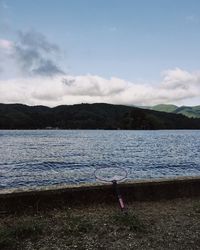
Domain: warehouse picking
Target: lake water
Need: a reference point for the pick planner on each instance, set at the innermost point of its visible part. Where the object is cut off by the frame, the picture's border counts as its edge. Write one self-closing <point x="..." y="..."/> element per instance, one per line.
<point x="47" y="157"/>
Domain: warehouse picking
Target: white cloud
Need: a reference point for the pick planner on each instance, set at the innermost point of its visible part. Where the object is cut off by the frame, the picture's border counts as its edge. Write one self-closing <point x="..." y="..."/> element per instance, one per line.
<point x="177" y="86"/>
<point x="35" y="78"/>
<point x="180" y="79"/>
<point x="6" y="44"/>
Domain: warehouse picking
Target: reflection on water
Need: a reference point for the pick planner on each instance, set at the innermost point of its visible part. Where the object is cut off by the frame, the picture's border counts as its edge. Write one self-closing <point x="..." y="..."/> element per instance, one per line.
<point x="45" y="157"/>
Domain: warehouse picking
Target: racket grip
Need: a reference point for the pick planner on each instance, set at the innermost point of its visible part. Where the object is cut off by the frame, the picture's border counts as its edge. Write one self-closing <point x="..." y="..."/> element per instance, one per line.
<point x="118" y="195"/>
<point x="121" y="203"/>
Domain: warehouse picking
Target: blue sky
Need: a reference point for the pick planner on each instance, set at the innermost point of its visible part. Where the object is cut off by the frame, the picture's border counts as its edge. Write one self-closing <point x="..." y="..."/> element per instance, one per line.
<point x="131" y="40"/>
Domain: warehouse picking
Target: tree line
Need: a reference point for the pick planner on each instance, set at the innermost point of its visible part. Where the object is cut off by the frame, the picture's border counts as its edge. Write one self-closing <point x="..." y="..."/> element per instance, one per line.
<point x="90" y="116"/>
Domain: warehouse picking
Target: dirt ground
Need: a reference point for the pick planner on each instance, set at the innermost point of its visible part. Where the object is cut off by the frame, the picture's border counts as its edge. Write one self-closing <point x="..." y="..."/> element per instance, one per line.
<point x="173" y="224"/>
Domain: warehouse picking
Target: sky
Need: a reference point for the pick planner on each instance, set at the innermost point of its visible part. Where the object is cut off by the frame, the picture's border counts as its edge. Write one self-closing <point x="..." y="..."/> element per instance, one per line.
<point x="132" y="52"/>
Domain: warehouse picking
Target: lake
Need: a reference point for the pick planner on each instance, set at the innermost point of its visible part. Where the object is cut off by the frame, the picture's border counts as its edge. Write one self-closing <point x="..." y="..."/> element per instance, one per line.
<point x="31" y="158"/>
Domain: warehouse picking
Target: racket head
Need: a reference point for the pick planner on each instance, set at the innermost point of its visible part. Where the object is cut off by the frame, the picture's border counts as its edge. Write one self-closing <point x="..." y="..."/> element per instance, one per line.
<point x="110" y="174"/>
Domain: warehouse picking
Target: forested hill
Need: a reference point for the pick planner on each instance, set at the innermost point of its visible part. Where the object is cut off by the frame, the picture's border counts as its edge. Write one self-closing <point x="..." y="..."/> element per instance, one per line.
<point x="90" y="116"/>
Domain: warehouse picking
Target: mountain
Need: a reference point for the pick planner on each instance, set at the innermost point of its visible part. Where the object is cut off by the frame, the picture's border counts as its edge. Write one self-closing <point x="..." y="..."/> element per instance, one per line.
<point x="165" y="108"/>
<point x="191" y="112"/>
<point x="90" y="116"/>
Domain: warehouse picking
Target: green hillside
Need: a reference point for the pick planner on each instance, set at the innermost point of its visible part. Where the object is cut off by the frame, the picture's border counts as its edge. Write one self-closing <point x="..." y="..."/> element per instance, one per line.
<point x="165" y="108"/>
<point x="191" y="112"/>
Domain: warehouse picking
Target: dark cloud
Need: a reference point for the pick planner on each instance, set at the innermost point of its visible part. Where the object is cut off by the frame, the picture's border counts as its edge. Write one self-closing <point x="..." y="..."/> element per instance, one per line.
<point x="47" y="68"/>
<point x="36" y="40"/>
<point x="68" y="82"/>
<point x="27" y="58"/>
<point x="35" y="55"/>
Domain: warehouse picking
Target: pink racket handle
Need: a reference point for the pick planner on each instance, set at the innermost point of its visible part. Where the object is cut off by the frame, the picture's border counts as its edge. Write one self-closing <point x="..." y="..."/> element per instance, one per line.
<point x="118" y="195"/>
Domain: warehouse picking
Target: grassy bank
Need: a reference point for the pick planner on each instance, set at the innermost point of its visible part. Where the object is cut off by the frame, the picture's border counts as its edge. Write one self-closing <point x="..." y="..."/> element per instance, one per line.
<point x="148" y="225"/>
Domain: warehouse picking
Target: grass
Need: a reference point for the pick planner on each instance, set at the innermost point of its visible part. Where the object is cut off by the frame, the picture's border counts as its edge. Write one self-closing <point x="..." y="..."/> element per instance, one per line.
<point x="81" y="230"/>
<point x="11" y="235"/>
<point x="72" y="228"/>
<point x="196" y="207"/>
<point x="158" y="225"/>
<point x="85" y="224"/>
<point x="77" y="224"/>
<point x="128" y="221"/>
<point x="7" y="239"/>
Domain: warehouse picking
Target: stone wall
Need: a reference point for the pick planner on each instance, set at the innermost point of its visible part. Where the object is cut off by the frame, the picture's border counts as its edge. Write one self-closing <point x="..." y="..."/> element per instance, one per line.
<point x="46" y="198"/>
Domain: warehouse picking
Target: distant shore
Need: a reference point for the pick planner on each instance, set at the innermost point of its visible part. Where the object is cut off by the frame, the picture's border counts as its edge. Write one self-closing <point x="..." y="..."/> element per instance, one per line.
<point x="91" y="116"/>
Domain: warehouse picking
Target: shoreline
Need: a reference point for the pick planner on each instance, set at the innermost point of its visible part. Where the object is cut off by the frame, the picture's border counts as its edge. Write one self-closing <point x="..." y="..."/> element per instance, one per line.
<point x="59" y="187"/>
<point x="51" y="197"/>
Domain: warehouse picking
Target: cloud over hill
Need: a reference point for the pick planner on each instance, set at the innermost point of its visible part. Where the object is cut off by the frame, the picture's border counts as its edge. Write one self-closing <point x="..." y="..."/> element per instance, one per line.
<point x="38" y="79"/>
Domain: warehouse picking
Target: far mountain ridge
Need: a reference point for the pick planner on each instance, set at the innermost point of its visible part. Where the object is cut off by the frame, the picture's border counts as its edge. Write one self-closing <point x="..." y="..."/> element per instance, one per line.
<point x="189" y="111"/>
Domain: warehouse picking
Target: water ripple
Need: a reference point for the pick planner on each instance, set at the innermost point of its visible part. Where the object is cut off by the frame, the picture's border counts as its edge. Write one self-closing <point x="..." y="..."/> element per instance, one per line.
<point x="42" y="157"/>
